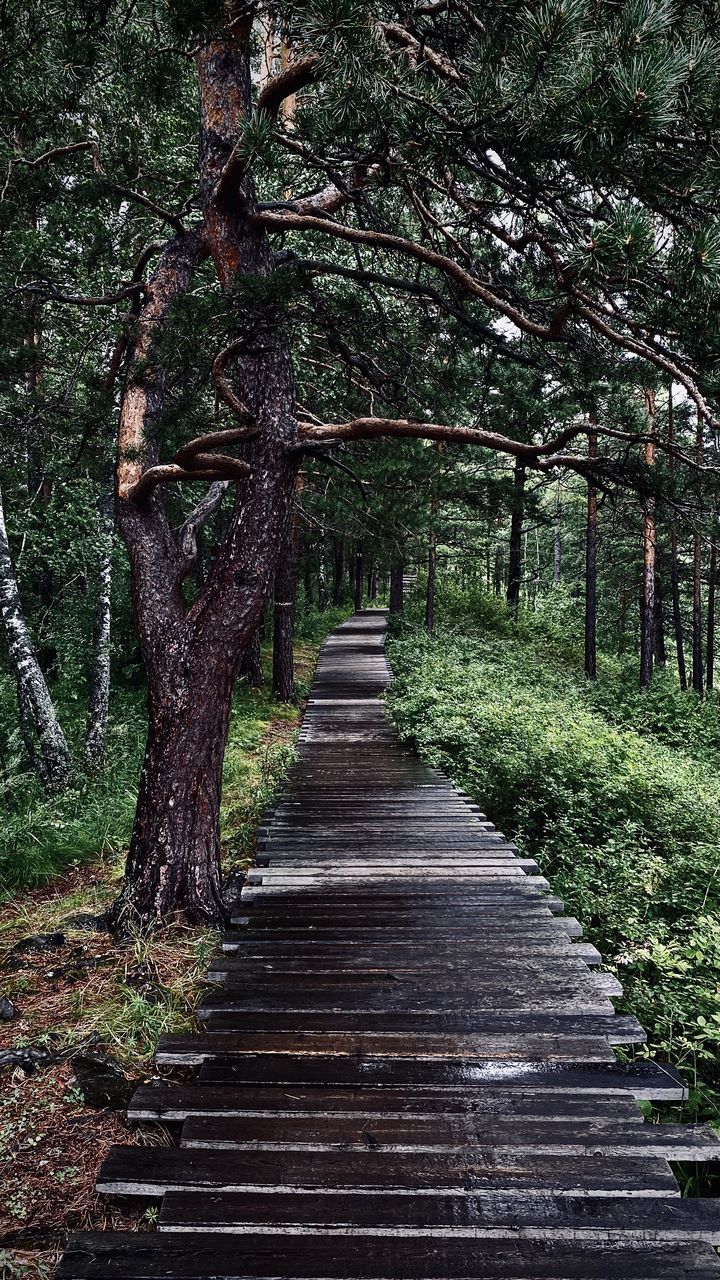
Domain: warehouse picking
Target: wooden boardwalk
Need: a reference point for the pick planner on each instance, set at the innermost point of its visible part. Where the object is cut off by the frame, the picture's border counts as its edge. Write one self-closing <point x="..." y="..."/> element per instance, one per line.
<point x="406" y="1064"/>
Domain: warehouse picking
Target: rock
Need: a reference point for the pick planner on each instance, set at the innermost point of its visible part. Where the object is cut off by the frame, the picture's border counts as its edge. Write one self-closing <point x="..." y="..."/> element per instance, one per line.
<point x="8" y="1010"/>
<point x="34" y="943"/>
<point x="102" y="1081"/>
<point x="86" y="920"/>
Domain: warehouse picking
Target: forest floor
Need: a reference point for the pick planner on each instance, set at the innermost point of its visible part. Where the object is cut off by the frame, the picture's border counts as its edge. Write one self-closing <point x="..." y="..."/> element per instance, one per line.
<point x="68" y="989"/>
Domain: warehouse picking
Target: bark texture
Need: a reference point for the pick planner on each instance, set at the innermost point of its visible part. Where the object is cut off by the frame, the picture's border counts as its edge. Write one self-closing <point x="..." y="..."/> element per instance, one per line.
<point x="99" y="682"/>
<point x="516" y="547"/>
<point x="45" y="739"/>
<point x="591" y="549"/>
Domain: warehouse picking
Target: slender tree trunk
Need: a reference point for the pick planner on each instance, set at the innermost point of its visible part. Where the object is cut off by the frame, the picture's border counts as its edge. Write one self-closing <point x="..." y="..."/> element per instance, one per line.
<point x="283" y="668"/>
<point x="322" y="594"/>
<point x="372" y="583"/>
<point x="516" y="546"/>
<point x="358" y="576"/>
<point x="697" y="648"/>
<point x="498" y="571"/>
<point x="710" y="638"/>
<point x="674" y="565"/>
<point x="557" y="543"/>
<point x="99" y="682"/>
<point x="52" y="757"/>
<point x="251" y="667"/>
<point x="396" y="587"/>
<point x="591" y="548"/>
<point x="660" y="651"/>
<point x="647" y="611"/>
<point x="338" y="570"/>
<point x="430" y="591"/>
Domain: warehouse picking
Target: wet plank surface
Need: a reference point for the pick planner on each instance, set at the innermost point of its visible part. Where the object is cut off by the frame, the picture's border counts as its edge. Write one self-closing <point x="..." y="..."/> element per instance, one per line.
<point x="404" y="1065"/>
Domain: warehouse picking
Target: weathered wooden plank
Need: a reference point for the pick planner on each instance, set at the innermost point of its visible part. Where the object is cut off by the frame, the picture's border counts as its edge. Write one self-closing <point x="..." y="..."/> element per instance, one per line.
<point x="151" y="1171"/>
<point x="168" y="1102"/>
<point x="690" y="1143"/>
<point x="186" y="1256"/>
<point x="489" y="1215"/>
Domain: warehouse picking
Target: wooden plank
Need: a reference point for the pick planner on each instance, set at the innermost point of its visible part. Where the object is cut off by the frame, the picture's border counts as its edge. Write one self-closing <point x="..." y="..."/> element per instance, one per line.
<point x="489" y="1215"/>
<point x="689" y="1143"/>
<point x="151" y="1171"/>
<point x="169" y="1103"/>
<point x="649" y="1081"/>
<point x="209" y="1256"/>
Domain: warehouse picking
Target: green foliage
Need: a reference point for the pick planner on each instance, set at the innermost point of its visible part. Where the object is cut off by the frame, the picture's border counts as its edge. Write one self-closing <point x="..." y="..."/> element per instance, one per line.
<point x="615" y="794"/>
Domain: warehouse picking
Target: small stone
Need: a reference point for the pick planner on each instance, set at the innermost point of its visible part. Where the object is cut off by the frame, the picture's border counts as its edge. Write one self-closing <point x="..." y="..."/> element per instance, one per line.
<point x="86" y="920"/>
<point x="8" y="1011"/>
<point x="102" y="1082"/>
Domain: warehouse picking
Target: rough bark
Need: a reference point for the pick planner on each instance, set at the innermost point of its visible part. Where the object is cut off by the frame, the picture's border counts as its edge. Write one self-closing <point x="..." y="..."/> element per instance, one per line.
<point x="192" y="656"/>
<point x="251" y="667"/>
<point x="283" y="664"/>
<point x="50" y="755"/>
<point x="99" y="682"/>
<point x="591" y="548"/>
<point x="516" y="523"/>
<point x="647" y="594"/>
<point x="660" y="651"/>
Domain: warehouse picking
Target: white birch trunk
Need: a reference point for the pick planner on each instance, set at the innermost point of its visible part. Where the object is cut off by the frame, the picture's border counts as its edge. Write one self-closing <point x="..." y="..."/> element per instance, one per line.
<point x="53" y="761"/>
<point x="99" y="683"/>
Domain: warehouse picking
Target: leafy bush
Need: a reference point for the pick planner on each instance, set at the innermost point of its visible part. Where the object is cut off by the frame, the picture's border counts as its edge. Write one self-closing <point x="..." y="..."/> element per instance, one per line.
<point x="627" y="826"/>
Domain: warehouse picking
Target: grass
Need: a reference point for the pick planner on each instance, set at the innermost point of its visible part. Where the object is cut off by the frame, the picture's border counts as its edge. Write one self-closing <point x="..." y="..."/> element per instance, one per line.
<point x="92" y="991"/>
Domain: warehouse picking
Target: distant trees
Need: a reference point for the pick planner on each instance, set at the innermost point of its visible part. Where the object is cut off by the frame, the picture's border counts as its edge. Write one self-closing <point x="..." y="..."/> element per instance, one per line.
<point x="215" y="210"/>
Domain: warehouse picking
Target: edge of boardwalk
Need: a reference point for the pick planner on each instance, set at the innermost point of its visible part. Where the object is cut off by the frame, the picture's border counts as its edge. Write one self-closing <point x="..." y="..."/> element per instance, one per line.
<point x="405" y="1060"/>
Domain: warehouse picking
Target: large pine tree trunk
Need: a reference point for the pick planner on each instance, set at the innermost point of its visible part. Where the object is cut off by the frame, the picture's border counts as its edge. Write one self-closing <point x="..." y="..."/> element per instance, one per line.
<point x="591" y="547"/>
<point x="647" y="594"/>
<point x="50" y="755"/>
<point x="192" y="655"/>
<point x="99" y="682"/>
<point x="516" y="546"/>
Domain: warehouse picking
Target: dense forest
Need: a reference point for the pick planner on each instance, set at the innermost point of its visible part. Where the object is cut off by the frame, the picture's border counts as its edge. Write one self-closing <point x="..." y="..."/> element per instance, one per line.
<point x="314" y="306"/>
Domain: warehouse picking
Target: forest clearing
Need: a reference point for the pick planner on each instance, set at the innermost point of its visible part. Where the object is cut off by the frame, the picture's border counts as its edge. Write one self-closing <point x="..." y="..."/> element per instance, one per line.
<point x="359" y="731"/>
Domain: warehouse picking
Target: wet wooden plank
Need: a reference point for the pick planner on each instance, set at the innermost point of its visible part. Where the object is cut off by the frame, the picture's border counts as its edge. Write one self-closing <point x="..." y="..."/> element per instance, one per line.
<point x="151" y="1171"/>
<point x="207" y="1256"/>
<point x="489" y="1215"/>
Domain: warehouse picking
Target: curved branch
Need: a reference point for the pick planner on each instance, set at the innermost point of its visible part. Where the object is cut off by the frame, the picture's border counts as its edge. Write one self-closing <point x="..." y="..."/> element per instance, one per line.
<point x="195" y="521"/>
<point x="295" y="77"/>
<point x="226" y="392"/>
<point x="372" y="428"/>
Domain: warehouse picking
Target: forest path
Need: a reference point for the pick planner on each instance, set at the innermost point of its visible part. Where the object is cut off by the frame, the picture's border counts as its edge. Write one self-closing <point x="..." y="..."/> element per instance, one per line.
<point x="405" y="1064"/>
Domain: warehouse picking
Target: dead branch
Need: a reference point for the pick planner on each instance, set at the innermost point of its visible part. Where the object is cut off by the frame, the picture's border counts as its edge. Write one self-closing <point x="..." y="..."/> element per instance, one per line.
<point x="197" y="519"/>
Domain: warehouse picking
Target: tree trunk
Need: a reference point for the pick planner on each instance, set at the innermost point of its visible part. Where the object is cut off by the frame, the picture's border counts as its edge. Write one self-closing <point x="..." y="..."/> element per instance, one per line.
<point x="647" y="597"/>
<point x="697" y="645"/>
<point x="283" y="669"/>
<point x="396" y="588"/>
<point x="516" y="546"/>
<point x="660" y="651"/>
<point x="178" y="815"/>
<point x="710" y="638"/>
<point x="358" y="575"/>
<point x="338" y="570"/>
<point x="322" y="595"/>
<point x="498" y="571"/>
<point x="52" y="758"/>
<point x="251" y="667"/>
<point x="674" y="566"/>
<point x="372" y="583"/>
<point x="99" y="682"/>
<point x="557" y="543"/>
<point x="591" y="547"/>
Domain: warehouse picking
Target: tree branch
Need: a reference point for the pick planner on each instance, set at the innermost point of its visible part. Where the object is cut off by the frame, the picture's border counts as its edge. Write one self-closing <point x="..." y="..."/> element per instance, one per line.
<point x="195" y="521"/>
<point x="295" y="77"/>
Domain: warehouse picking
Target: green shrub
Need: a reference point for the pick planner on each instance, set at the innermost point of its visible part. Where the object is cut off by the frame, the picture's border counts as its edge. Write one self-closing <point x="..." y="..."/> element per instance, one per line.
<point x="627" y="826"/>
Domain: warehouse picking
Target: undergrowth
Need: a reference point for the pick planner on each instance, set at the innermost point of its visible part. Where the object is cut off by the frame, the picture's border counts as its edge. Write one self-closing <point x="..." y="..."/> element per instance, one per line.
<point x="616" y="793"/>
